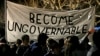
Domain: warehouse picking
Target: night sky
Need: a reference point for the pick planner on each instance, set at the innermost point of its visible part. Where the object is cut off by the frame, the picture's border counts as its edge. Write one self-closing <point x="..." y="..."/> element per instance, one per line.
<point x="2" y="9"/>
<point x="1" y="4"/>
<point x="2" y="23"/>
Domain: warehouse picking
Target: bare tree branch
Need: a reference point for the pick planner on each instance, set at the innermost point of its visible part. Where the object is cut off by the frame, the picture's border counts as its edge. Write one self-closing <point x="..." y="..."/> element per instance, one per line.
<point x="98" y="2"/>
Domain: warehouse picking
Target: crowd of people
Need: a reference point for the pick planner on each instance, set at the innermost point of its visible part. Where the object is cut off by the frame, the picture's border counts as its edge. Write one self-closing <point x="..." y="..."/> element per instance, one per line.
<point x="45" y="46"/>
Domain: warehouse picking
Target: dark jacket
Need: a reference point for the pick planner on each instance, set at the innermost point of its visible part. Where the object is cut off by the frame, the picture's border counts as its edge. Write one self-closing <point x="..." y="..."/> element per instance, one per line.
<point x="35" y="50"/>
<point x="21" y="49"/>
<point x="4" y="49"/>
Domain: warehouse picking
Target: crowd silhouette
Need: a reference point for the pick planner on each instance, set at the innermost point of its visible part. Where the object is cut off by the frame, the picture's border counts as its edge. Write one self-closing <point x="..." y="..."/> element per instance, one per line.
<point x="45" y="46"/>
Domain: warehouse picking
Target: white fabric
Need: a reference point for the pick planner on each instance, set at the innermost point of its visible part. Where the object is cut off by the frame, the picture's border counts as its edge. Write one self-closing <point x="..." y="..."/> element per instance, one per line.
<point x="19" y="23"/>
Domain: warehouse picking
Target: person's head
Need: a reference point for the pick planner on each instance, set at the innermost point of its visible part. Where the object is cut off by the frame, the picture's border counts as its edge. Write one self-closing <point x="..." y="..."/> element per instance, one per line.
<point x="61" y="43"/>
<point x="96" y="39"/>
<point x="72" y="42"/>
<point x="53" y="45"/>
<point x="67" y="44"/>
<point x="19" y="42"/>
<point x="42" y="37"/>
<point x="25" y="39"/>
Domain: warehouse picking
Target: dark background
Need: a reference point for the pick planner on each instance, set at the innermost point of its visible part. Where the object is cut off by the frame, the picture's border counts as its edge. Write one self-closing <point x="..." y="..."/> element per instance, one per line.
<point x="39" y="3"/>
<point x="2" y="18"/>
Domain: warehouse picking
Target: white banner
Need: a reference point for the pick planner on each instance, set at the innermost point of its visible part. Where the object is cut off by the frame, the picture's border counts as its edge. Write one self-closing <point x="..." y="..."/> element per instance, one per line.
<point x="57" y="24"/>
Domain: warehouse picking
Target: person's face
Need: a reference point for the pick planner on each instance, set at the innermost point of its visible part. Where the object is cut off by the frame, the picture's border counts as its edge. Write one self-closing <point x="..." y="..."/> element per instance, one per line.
<point x="67" y="43"/>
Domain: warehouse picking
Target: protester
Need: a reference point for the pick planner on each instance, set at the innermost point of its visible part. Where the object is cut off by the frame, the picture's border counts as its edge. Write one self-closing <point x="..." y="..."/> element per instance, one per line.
<point x="23" y="47"/>
<point x="53" y="48"/>
<point x="15" y="46"/>
<point x="61" y="43"/>
<point x="73" y="47"/>
<point x="4" y="48"/>
<point x="38" y="48"/>
<point x="96" y="41"/>
<point x="84" y="45"/>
